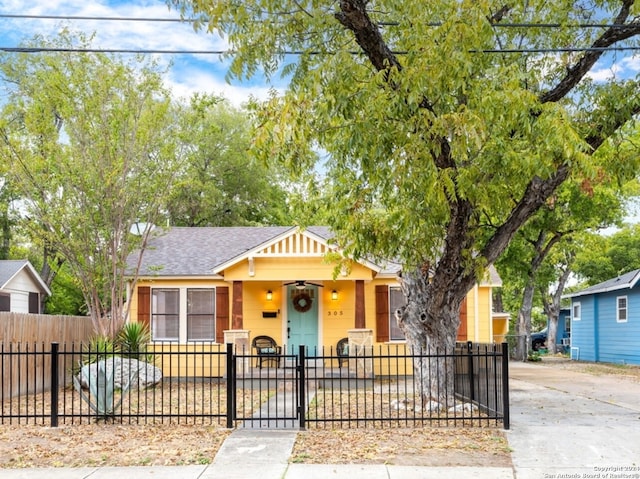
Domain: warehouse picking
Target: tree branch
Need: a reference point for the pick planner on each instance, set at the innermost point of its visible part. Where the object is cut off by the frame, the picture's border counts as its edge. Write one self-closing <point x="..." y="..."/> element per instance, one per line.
<point x="611" y="36"/>
<point x="535" y="195"/>
<point x="354" y="17"/>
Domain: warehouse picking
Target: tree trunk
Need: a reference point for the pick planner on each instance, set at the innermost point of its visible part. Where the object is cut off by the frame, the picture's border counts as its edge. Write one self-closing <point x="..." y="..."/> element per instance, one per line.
<point x="552" y="333"/>
<point x="552" y="305"/>
<point x="430" y="336"/>
<point x="523" y="326"/>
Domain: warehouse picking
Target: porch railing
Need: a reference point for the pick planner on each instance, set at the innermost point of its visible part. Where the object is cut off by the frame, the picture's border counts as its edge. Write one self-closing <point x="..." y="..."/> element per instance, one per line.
<point x="213" y="384"/>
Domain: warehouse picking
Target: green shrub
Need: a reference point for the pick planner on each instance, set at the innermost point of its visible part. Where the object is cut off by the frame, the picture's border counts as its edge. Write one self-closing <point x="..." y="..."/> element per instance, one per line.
<point x="133" y="340"/>
<point x="98" y="348"/>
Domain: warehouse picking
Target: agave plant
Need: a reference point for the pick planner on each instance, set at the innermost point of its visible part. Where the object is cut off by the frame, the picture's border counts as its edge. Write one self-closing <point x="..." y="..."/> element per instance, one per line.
<point x="101" y="397"/>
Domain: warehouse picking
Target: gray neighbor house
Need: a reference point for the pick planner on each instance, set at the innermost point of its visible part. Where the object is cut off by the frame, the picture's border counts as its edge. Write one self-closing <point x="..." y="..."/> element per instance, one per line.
<point x="21" y="287"/>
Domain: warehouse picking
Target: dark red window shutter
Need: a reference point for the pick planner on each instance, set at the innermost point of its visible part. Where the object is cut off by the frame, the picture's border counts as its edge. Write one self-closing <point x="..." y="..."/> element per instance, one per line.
<point x="144" y="305"/>
<point x="382" y="313"/>
<point x="462" y="330"/>
<point x="222" y="312"/>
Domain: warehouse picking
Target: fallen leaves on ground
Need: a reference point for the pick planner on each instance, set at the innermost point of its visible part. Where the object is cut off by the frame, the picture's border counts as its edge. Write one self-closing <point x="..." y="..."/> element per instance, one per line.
<point x="419" y="447"/>
<point x="104" y="444"/>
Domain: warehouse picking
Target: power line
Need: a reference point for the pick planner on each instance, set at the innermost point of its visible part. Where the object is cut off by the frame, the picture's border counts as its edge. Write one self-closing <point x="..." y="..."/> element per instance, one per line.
<point x="113" y="50"/>
<point x="191" y="20"/>
<point x="300" y="52"/>
<point x="75" y="17"/>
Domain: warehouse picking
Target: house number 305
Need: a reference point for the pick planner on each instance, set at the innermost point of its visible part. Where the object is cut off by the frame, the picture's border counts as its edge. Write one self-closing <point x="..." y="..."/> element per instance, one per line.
<point x="335" y="312"/>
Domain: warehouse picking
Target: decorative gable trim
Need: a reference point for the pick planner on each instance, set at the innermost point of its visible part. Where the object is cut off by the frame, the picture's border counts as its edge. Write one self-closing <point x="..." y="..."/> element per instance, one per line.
<point x="294" y="243"/>
<point x="300" y="243"/>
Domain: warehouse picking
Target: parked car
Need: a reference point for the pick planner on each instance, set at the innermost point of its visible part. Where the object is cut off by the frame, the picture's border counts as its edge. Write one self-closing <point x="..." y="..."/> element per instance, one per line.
<point x="539" y="339"/>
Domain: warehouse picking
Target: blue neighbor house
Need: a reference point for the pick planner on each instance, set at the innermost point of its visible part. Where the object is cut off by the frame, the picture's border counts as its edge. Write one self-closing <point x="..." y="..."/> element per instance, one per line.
<point x="605" y="321"/>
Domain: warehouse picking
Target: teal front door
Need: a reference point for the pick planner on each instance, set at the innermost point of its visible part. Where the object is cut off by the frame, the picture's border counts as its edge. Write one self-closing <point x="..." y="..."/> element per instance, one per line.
<point x="302" y="318"/>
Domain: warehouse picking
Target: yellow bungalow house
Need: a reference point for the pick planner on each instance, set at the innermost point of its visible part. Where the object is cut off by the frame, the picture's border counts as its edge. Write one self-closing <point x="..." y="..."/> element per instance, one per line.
<point x="231" y="284"/>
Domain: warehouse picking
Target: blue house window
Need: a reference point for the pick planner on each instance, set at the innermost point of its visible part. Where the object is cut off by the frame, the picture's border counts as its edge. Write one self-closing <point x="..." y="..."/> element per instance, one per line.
<point x="621" y="315"/>
<point x="576" y="312"/>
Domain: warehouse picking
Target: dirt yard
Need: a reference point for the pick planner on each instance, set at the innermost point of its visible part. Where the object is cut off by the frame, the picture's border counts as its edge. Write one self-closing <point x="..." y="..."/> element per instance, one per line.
<point x="128" y="445"/>
<point x="104" y="444"/>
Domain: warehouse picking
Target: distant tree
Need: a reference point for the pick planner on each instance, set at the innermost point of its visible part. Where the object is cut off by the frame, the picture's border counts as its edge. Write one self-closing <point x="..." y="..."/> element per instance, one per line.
<point x="530" y="259"/>
<point x="89" y="140"/>
<point x="7" y="216"/>
<point x="605" y="257"/>
<point x="557" y="276"/>
<point x="221" y="183"/>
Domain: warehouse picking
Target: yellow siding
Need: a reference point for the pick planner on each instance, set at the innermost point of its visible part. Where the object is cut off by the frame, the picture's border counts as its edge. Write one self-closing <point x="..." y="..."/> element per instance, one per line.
<point x="500" y="327"/>
<point x="484" y="314"/>
<point x="292" y="268"/>
<point x="336" y="317"/>
<point x="190" y="360"/>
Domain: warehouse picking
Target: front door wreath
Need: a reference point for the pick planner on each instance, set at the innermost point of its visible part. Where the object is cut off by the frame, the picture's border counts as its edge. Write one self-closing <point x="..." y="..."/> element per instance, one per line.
<point x="302" y="302"/>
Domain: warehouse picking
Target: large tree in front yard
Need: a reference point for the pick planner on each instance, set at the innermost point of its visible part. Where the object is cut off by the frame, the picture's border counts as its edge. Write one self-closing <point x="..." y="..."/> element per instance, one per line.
<point x="448" y="124"/>
<point x="88" y="138"/>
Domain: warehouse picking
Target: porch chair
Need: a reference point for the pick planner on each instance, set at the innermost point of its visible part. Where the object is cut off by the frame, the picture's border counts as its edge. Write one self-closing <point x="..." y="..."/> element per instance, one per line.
<point x="266" y="350"/>
<point x="342" y="350"/>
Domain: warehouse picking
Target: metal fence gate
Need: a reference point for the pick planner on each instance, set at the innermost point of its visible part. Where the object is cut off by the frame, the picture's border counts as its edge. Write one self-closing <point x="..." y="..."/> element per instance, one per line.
<point x="276" y="383"/>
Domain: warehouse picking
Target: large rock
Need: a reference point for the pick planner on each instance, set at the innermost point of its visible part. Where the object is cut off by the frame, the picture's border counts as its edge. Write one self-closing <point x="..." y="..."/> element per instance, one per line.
<point x="123" y="370"/>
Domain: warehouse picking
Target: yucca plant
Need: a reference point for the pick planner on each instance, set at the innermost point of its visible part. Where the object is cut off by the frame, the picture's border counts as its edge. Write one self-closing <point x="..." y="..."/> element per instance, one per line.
<point x="133" y="339"/>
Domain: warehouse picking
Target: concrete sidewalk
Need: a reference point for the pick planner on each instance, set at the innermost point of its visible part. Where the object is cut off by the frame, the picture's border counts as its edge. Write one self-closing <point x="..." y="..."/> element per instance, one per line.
<point x="563" y="424"/>
<point x="570" y="424"/>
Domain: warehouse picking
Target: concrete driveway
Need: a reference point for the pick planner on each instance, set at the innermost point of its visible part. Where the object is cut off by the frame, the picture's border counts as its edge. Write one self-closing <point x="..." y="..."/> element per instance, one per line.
<point x="566" y="424"/>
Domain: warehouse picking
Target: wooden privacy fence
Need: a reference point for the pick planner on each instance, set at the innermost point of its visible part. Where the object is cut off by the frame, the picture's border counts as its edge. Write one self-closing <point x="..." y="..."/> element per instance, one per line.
<point x="22" y="330"/>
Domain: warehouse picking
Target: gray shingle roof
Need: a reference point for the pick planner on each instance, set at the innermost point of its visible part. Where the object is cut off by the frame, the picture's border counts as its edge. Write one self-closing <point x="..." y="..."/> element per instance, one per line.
<point x="624" y="281"/>
<point x="197" y="251"/>
<point x="10" y="267"/>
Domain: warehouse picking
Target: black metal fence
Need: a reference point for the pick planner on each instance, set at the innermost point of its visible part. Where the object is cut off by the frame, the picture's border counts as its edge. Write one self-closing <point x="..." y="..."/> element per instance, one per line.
<point x="213" y="384"/>
<point x="387" y="386"/>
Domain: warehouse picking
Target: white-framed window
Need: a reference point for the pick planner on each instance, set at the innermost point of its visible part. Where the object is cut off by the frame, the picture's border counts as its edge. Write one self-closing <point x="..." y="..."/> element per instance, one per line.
<point x="183" y="314"/>
<point x="621" y="309"/>
<point x="396" y="301"/>
<point x="576" y="311"/>
<point x="201" y="314"/>
<point x="165" y="314"/>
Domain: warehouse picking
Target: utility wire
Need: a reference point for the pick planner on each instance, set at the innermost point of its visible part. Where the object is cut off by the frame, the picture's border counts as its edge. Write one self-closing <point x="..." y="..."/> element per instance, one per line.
<point x="191" y="20"/>
<point x="224" y="52"/>
<point x="74" y="17"/>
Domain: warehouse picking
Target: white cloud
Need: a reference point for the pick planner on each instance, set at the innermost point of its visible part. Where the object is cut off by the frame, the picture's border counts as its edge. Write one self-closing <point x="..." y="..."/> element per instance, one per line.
<point x="632" y="63"/>
<point x="190" y="73"/>
<point x="184" y="85"/>
<point x="606" y="74"/>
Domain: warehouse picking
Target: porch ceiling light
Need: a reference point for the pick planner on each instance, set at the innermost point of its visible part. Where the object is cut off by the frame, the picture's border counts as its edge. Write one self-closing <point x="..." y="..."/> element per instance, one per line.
<point x="269" y="295"/>
<point x="334" y="295"/>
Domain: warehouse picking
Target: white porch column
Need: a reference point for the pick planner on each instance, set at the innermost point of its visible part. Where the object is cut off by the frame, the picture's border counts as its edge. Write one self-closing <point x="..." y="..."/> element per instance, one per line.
<point x="360" y="345"/>
<point x="240" y="340"/>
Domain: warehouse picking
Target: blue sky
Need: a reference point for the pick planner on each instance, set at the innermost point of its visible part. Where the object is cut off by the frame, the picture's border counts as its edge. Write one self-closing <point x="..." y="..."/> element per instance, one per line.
<point x="189" y="73"/>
